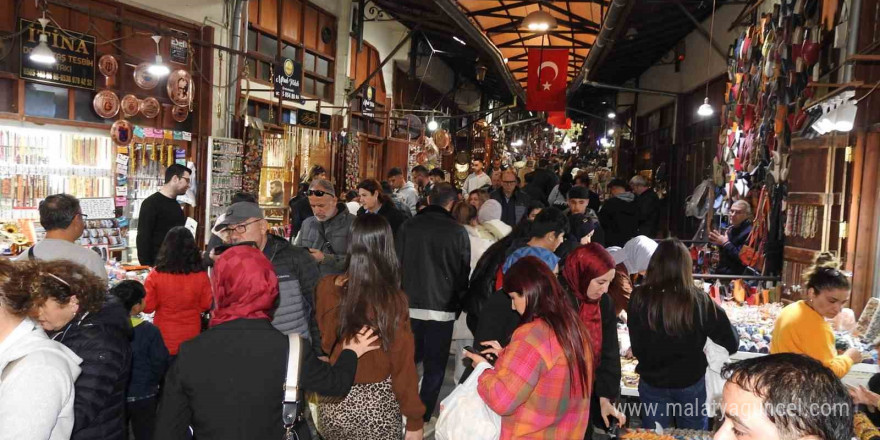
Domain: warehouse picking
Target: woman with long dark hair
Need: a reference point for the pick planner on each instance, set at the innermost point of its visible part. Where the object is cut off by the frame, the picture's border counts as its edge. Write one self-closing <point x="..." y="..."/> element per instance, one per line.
<point x="178" y="289"/>
<point x="587" y="272"/>
<point x="368" y="294"/>
<point x="375" y="201"/>
<point x="542" y="380"/>
<point x="669" y="322"/>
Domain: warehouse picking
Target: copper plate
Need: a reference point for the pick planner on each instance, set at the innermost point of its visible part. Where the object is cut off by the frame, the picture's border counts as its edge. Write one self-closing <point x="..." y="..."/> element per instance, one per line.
<point x="180" y="87"/>
<point x="130" y="105"/>
<point x="106" y="104"/>
<point x="143" y="78"/>
<point x="441" y="138"/>
<point x="150" y="107"/>
<point x="108" y="66"/>
<point x="180" y="112"/>
<point x="122" y="132"/>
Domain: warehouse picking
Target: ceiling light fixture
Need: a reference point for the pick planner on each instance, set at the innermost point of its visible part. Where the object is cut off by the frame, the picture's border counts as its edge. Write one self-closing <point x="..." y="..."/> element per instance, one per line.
<point x="42" y="54"/>
<point x="158" y="68"/>
<point x="706" y="109"/>
<point x="539" y="21"/>
<point x="612" y="115"/>
<point x="846" y="115"/>
<point x="610" y="132"/>
<point x="459" y="40"/>
<point x="433" y="125"/>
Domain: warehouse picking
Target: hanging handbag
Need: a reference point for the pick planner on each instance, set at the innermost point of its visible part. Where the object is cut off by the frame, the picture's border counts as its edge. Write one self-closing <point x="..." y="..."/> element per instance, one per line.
<point x="291" y="405"/>
<point x="464" y="414"/>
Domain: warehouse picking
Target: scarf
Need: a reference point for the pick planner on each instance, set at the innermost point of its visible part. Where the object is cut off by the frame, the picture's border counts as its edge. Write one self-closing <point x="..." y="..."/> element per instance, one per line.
<point x="635" y="254"/>
<point x="581" y="267"/>
<point x="244" y="284"/>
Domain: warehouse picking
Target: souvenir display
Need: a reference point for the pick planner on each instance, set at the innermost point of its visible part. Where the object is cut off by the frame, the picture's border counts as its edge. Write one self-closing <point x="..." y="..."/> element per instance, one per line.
<point x="102" y="232"/>
<point x="226" y="172"/>
<point x="108" y="66"/>
<point x="106" y="104"/>
<point x="180" y="87"/>
<point x="150" y="107"/>
<point x="352" y="162"/>
<point x="130" y="106"/>
<point x="122" y="132"/>
<point x="179" y="113"/>
<point x="143" y="78"/>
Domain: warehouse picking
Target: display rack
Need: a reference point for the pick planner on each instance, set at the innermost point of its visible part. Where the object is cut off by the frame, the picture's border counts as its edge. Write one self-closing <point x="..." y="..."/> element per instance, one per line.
<point x="225" y="176"/>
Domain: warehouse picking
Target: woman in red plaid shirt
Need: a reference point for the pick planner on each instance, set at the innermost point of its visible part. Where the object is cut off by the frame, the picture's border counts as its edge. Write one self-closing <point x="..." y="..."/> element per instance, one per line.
<point x="541" y="383"/>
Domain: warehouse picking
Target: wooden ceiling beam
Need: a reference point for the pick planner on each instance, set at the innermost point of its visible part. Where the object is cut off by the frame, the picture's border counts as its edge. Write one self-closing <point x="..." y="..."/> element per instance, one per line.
<point x="514" y="44"/>
<point x="500" y="8"/>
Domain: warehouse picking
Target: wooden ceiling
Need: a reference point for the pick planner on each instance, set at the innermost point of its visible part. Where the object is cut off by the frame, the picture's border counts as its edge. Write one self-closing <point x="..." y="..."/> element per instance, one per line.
<point x="578" y="24"/>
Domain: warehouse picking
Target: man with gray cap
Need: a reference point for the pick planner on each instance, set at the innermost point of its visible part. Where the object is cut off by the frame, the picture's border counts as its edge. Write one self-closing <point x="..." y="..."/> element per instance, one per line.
<point x="296" y="270"/>
<point x="328" y="232"/>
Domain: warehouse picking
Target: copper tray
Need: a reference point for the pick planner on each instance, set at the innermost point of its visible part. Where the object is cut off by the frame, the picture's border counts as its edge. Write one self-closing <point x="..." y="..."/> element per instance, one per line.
<point x="106" y="104"/>
<point x="150" y="107"/>
<point x="180" y="87"/>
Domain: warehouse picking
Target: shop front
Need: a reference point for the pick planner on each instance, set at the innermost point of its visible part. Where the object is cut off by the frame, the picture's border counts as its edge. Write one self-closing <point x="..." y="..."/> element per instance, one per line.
<point x="123" y="94"/>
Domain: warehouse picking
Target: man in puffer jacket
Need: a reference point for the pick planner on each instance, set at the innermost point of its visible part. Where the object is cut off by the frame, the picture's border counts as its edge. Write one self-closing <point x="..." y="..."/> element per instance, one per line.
<point x="327" y="233"/>
<point x="296" y="270"/>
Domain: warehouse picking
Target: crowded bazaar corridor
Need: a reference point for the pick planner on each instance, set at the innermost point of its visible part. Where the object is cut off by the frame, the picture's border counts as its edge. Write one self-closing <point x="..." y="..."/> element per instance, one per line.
<point x="439" y="219"/>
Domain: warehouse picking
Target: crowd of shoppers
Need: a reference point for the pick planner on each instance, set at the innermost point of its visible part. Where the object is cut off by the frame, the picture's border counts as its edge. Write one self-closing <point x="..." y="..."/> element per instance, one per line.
<point x="512" y="266"/>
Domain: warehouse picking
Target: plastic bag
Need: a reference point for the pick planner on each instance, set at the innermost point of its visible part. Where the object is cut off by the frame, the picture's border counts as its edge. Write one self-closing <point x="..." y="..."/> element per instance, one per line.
<point x="464" y="414"/>
<point x="716" y="357"/>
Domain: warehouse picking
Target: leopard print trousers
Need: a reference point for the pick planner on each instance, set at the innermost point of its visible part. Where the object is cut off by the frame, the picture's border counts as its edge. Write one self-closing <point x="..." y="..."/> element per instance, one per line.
<point x="370" y="411"/>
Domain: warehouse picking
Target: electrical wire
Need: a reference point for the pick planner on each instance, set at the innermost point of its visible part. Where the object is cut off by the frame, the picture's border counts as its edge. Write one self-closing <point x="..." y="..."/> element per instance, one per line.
<point x="869" y="92"/>
<point x="709" y="49"/>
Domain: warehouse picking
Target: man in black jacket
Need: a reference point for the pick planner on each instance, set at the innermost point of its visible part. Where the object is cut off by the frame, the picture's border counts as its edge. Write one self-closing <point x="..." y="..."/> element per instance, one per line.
<point x="300" y="209"/>
<point x="434" y="252"/>
<point x="296" y="270"/>
<point x="648" y="204"/>
<point x="514" y="202"/>
<point x="619" y="215"/>
<point x="732" y="242"/>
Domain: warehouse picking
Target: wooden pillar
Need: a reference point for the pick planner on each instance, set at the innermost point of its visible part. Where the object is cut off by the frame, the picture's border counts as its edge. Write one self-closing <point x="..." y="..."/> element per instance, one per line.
<point x="863" y="264"/>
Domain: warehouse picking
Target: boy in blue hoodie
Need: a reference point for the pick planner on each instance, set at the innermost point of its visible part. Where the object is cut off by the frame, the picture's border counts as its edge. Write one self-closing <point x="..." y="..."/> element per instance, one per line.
<point x="149" y="361"/>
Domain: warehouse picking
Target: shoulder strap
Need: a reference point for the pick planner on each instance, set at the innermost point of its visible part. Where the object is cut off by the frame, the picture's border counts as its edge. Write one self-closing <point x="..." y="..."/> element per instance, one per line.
<point x="290" y="406"/>
<point x="31" y="255"/>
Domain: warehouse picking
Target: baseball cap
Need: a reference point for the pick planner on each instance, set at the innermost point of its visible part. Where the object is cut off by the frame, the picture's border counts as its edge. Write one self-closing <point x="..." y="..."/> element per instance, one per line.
<point x="238" y="213"/>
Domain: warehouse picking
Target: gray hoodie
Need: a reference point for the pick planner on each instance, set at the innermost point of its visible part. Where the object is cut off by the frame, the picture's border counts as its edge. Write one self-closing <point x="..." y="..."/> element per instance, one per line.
<point x="36" y="385"/>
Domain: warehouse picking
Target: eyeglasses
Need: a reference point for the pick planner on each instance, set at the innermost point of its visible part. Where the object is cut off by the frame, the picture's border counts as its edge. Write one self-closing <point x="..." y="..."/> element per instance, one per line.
<point x="318" y="193"/>
<point x="242" y="228"/>
<point x="84" y="216"/>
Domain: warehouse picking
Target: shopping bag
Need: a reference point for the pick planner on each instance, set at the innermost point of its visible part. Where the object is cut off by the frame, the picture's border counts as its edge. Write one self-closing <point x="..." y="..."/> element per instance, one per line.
<point x="465" y="416"/>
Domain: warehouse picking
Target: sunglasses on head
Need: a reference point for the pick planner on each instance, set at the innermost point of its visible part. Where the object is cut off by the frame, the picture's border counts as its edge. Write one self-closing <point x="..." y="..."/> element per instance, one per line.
<point x="318" y="193"/>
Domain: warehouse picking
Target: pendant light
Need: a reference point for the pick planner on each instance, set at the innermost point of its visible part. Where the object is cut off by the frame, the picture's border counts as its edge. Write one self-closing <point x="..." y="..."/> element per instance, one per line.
<point x="846" y="113"/>
<point x="432" y="125"/>
<point x="539" y="21"/>
<point x="706" y="110"/>
<point x="158" y="68"/>
<point x="42" y="54"/>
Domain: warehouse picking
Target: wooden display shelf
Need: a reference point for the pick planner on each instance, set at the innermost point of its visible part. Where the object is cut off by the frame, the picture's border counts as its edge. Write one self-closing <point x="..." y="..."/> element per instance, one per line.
<point x="800" y="255"/>
<point x="814" y="198"/>
<point x="842" y="88"/>
<point x="863" y="58"/>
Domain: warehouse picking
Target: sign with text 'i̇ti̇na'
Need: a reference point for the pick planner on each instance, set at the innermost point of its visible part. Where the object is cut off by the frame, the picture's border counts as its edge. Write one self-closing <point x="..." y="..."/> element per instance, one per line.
<point x="75" y="57"/>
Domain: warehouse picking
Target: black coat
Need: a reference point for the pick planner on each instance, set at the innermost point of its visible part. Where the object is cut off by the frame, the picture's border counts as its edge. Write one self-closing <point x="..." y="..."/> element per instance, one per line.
<point x="620" y="221"/>
<point x="149" y="360"/>
<point x="435" y="254"/>
<point x="483" y="279"/>
<point x="227" y="383"/>
<point x="394" y="216"/>
<point x="300" y="210"/>
<point x="648" y="204"/>
<point x="514" y="210"/>
<point x="102" y="340"/>
<point x="544" y="181"/>
<point x="729" y="262"/>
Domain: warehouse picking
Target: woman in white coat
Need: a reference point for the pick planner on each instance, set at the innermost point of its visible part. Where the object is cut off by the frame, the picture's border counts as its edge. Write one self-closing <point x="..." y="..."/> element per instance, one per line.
<point x="36" y="373"/>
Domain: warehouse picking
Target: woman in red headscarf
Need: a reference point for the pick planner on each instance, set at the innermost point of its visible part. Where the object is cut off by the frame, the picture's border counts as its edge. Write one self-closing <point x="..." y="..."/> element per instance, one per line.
<point x="226" y="382"/>
<point x="587" y="272"/>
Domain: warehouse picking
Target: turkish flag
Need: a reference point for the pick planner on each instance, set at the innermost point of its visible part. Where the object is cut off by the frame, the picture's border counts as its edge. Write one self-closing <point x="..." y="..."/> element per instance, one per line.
<point x="547" y="78"/>
<point x="559" y="120"/>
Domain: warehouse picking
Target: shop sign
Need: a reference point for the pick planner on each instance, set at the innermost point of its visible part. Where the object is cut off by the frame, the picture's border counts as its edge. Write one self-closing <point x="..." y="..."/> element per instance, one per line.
<point x="325" y="121"/>
<point x="75" y="57"/>
<point x="307" y="118"/>
<point x="179" y="50"/>
<point x="287" y="80"/>
<point x="368" y="102"/>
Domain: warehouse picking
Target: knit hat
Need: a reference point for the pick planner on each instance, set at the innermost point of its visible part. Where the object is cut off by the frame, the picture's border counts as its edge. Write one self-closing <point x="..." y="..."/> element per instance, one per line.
<point x="491" y="210"/>
<point x="581" y="226"/>
<point x="549" y="258"/>
<point x="579" y="192"/>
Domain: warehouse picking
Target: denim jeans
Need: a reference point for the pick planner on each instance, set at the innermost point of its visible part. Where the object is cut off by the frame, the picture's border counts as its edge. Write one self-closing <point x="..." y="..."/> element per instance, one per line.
<point x="685" y="406"/>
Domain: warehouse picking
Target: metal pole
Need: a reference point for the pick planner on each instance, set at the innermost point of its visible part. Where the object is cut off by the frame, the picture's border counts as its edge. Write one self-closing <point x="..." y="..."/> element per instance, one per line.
<point x="629" y="89"/>
<point x="702" y="30"/>
<point x="852" y="38"/>
<point x="709" y="276"/>
<point x="234" y="43"/>
<point x="354" y="91"/>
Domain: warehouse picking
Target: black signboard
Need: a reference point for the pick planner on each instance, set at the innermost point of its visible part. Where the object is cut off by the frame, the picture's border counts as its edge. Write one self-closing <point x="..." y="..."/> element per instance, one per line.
<point x="179" y="50"/>
<point x="325" y="121"/>
<point x="368" y="102"/>
<point x="75" y="57"/>
<point x="308" y="118"/>
<point x="287" y="80"/>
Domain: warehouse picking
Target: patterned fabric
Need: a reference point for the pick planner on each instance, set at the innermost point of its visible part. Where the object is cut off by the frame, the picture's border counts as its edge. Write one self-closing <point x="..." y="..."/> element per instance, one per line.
<point x="245" y="286"/>
<point x="369" y="412"/>
<point x="531" y="388"/>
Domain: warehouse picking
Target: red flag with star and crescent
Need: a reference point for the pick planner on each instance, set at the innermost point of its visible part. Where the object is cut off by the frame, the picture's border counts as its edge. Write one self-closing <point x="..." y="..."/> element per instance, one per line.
<point x="548" y="75"/>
